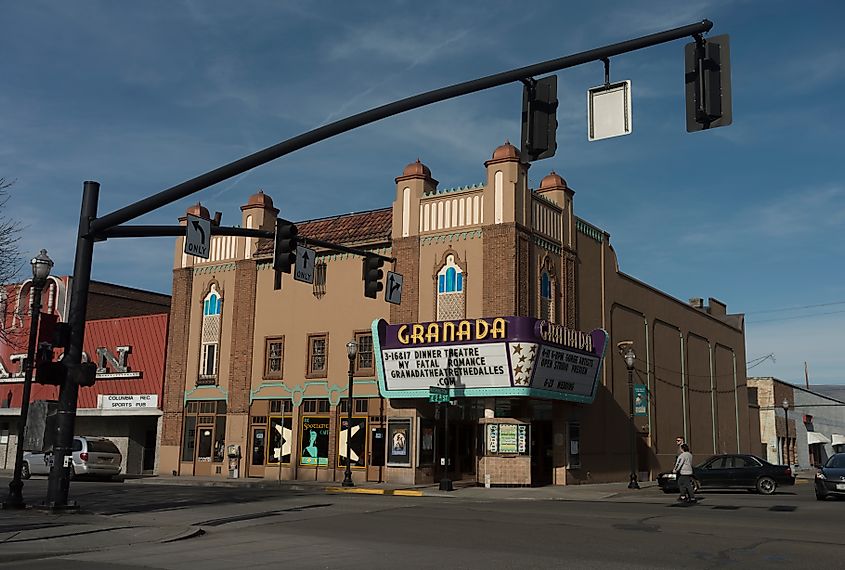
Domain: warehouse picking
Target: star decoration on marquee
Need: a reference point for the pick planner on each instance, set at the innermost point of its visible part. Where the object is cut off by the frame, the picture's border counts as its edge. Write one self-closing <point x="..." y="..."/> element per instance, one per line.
<point x="523" y="356"/>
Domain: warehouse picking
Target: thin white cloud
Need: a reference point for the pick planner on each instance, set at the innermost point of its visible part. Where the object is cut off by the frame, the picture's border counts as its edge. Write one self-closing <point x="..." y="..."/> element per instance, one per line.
<point x="797" y="212"/>
<point x="814" y="340"/>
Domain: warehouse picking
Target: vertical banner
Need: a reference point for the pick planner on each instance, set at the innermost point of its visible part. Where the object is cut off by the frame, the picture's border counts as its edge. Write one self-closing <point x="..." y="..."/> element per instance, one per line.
<point x="640" y="400"/>
<point x="315" y="441"/>
<point x="399" y="442"/>
<point x="355" y="440"/>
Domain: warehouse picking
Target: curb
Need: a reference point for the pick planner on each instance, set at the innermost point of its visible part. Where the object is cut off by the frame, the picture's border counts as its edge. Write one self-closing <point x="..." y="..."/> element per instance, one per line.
<point x="370" y="491"/>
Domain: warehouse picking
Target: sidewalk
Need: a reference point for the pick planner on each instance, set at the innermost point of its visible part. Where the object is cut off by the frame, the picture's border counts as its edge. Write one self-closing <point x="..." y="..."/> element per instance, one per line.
<point x="465" y="490"/>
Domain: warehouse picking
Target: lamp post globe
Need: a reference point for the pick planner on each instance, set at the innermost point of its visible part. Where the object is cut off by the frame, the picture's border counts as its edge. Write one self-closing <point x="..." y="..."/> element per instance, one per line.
<point x="351" y="352"/>
<point x="630" y="359"/>
<point x="41" y="265"/>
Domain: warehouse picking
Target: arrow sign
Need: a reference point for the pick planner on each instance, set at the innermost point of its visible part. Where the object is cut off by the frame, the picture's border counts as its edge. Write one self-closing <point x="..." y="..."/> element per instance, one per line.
<point x="305" y="257"/>
<point x="393" y="291"/>
<point x="198" y="237"/>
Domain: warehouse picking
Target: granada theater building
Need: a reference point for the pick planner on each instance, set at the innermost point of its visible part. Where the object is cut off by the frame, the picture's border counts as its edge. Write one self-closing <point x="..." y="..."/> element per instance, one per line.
<point x="512" y="308"/>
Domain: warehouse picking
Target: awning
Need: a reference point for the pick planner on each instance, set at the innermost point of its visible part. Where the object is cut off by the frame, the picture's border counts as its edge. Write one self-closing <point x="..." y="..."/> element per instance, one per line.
<point x="814" y="437"/>
<point x="838" y="439"/>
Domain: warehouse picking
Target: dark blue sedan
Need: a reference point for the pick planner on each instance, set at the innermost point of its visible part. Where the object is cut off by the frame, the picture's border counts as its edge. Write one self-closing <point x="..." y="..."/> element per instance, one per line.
<point x="733" y="471"/>
<point x="830" y="480"/>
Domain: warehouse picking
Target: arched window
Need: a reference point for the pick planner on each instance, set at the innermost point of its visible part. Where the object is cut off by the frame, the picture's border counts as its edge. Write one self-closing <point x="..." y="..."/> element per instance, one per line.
<point x="212" y="308"/>
<point x="450" y="291"/>
<point x="547" y="294"/>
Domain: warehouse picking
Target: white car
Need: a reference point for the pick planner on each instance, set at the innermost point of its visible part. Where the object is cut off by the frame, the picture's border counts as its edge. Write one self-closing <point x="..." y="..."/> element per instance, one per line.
<point x="91" y="456"/>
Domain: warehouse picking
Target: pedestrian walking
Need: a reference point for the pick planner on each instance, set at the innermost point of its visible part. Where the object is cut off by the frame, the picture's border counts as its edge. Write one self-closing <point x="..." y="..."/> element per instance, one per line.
<point x="679" y="441"/>
<point x="683" y="471"/>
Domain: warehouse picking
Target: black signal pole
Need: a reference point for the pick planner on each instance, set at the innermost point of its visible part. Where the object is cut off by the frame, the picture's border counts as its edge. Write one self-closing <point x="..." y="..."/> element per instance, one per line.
<point x="59" y="483"/>
<point x="93" y="229"/>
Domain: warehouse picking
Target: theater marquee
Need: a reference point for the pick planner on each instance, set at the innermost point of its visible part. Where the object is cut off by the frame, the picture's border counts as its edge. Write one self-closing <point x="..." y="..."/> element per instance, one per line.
<point x="501" y="356"/>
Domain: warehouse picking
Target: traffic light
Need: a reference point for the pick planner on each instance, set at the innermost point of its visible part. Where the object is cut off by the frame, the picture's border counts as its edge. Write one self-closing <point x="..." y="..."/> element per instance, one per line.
<point x="84" y="375"/>
<point x="707" y="67"/>
<point x="373" y="276"/>
<point x="539" y="118"/>
<point x="50" y="373"/>
<point x="284" y="246"/>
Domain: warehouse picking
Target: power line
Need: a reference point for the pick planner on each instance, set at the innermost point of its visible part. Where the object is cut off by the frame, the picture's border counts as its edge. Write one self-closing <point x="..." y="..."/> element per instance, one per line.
<point x="796" y="308"/>
<point x="795" y="317"/>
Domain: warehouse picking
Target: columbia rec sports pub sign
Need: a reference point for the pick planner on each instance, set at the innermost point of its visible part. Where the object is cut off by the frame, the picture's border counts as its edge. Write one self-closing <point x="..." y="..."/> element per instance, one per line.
<point x="500" y="356"/>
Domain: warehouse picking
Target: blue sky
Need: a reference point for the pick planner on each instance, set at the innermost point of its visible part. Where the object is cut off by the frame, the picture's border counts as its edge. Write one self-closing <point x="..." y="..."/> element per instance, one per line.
<point x="141" y="96"/>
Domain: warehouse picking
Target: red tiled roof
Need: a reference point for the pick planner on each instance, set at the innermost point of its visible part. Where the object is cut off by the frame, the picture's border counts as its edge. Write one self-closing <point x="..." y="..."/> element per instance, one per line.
<point x="347" y="229"/>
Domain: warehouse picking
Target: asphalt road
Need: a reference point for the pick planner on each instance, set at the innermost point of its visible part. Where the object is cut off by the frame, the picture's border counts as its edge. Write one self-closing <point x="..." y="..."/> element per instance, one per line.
<point x="272" y="528"/>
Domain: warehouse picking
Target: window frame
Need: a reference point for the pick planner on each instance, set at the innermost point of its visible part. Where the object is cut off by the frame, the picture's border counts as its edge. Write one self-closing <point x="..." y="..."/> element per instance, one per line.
<point x="268" y="374"/>
<point x="309" y="371"/>
<point x="357" y="369"/>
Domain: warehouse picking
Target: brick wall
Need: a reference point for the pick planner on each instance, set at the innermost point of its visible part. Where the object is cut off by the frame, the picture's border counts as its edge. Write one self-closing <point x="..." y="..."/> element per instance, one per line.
<point x="407" y="254"/>
<point x="107" y="301"/>
<point x="243" y="324"/>
<point x="500" y="268"/>
<point x="505" y="470"/>
<point x="177" y="356"/>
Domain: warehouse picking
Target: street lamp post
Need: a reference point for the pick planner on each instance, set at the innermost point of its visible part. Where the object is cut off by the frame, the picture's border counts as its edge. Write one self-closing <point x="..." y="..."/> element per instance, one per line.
<point x="630" y="357"/>
<point x="41" y="265"/>
<point x="786" y="454"/>
<point x="351" y="352"/>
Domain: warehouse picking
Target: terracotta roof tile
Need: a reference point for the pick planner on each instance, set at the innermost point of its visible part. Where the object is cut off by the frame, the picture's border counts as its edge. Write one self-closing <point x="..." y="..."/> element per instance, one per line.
<point x="346" y="229"/>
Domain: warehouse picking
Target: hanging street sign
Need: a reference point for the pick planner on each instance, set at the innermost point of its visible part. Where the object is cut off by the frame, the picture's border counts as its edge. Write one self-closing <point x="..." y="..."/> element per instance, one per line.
<point x="609" y="111"/>
<point x="438" y="395"/>
<point x="393" y="291"/>
<point x="198" y="236"/>
<point x="305" y="257"/>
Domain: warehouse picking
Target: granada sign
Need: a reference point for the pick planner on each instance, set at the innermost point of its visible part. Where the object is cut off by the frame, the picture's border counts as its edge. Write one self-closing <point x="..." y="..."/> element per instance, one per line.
<point x="498" y="356"/>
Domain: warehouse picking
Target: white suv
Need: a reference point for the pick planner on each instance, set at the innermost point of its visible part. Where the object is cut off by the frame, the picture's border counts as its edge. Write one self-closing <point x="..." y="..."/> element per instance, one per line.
<point x="91" y="456"/>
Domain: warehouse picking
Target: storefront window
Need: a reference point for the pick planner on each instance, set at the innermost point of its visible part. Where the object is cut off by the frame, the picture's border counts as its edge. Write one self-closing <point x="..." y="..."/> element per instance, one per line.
<point x="204" y="434"/>
<point x="281" y="438"/>
<point x="189" y="438"/>
<point x="314" y="450"/>
<point x="399" y="442"/>
<point x="354" y="440"/>
<point x="426" y="442"/>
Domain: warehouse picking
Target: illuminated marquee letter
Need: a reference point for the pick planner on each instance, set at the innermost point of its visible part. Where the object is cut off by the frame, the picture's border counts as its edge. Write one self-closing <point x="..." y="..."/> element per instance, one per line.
<point x="482" y="329"/>
<point x="500" y="328"/>
<point x="417" y="334"/>
<point x="464" y="331"/>
<point x="448" y="332"/>
<point x="433" y="334"/>
<point x="402" y="334"/>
